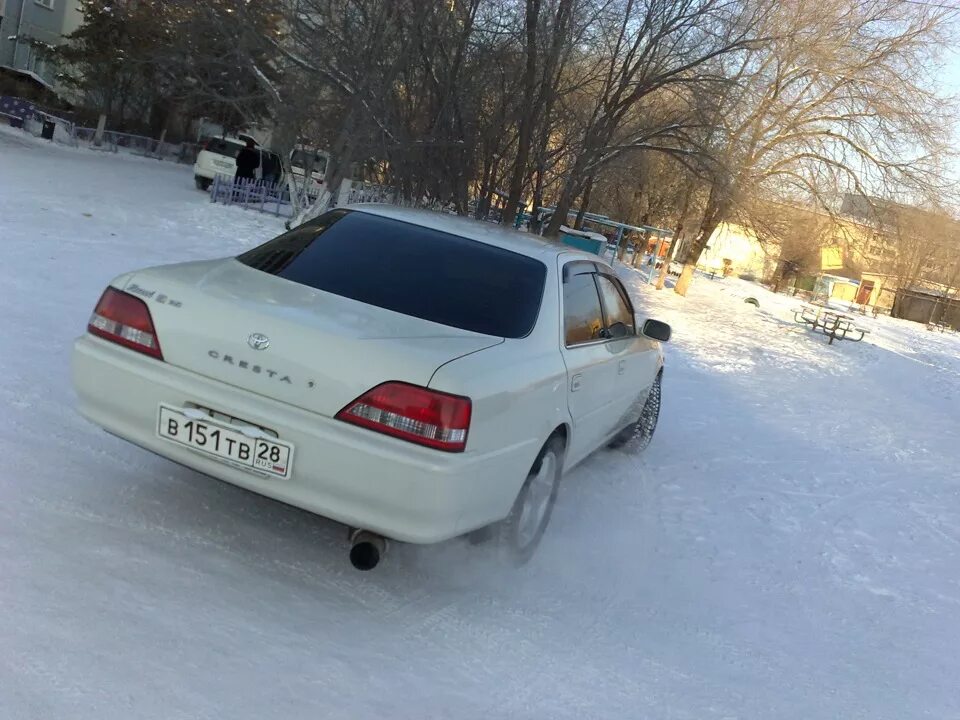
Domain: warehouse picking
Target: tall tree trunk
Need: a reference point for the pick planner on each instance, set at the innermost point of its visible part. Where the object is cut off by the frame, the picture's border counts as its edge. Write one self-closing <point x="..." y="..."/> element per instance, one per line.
<point x="527" y="117"/>
<point x="548" y="91"/>
<point x="584" y="204"/>
<point x="461" y="193"/>
<point x="486" y="188"/>
<point x="665" y="266"/>
<point x="537" y="224"/>
<point x="338" y="168"/>
<point x="101" y="128"/>
<point x="718" y="207"/>
<point x="569" y="192"/>
<point x="677" y="233"/>
<point x="692" y="253"/>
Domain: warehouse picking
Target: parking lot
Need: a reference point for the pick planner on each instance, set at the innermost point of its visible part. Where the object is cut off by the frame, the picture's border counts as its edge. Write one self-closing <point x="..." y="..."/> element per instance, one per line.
<point x="786" y="548"/>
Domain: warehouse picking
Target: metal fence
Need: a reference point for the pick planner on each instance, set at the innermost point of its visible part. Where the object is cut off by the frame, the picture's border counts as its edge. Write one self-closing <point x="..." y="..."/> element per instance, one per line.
<point x="53" y="125"/>
<point x="273" y="198"/>
<point x="141" y="145"/>
<point x="67" y="133"/>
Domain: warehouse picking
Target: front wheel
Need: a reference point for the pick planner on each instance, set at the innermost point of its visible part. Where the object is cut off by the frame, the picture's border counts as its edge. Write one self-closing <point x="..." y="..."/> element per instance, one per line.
<point x="637" y="436"/>
<point x="519" y="534"/>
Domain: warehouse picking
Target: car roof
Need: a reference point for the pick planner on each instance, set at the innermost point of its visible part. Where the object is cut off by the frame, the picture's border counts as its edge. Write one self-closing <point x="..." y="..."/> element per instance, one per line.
<point x="231" y="140"/>
<point x="472" y="229"/>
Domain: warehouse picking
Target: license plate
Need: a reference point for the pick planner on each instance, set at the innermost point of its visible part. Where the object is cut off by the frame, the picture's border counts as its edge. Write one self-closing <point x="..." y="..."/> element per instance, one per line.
<point x="221" y="163"/>
<point x="262" y="455"/>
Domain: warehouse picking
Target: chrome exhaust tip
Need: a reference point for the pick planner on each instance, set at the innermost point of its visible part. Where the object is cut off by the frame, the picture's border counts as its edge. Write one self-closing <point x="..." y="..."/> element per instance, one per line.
<point x="366" y="549"/>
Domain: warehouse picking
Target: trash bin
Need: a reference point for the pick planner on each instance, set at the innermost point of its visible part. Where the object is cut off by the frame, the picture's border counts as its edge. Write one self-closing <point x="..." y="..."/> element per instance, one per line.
<point x="48" y="127"/>
<point x="590" y="242"/>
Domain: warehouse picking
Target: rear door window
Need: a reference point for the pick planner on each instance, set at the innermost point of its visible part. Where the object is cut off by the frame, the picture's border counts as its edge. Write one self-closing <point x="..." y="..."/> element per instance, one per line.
<point x="222" y="146"/>
<point x="410" y="269"/>
<point x="582" y="314"/>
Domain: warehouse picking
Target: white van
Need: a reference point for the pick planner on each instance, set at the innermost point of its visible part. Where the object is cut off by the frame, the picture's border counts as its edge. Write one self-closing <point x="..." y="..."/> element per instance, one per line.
<point x="303" y="160"/>
<point x="219" y="157"/>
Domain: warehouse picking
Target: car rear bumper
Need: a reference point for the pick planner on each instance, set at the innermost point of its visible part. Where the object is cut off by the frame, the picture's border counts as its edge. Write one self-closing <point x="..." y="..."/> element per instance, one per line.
<point x="209" y="172"/>
<point x="349" y="474"/>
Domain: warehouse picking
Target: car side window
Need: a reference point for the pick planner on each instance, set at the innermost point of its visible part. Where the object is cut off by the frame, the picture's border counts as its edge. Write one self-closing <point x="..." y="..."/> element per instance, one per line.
<point x="616" y="307"/>
<point x="582" y="314"/>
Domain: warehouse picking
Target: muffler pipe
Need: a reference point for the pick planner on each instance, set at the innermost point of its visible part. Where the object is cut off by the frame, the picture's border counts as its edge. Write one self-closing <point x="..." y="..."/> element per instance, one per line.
<point x="366" y="549"/>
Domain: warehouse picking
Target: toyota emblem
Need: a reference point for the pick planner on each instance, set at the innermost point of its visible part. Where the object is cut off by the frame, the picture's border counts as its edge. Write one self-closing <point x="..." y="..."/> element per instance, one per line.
<point x="258" y="341"/>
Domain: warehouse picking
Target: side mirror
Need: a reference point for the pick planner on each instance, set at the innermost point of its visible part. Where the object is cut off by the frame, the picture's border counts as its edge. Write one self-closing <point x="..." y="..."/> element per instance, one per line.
<point x="656" y="330"/>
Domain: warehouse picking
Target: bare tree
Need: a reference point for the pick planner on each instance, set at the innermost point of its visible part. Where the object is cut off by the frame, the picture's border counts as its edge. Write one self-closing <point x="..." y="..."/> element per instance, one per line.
<point x="548" y="40"/>
<point x="656" y="47"/>
<point x="824" y="106"/>
<point x="922" y="244"/>
<point x="414" y="83"/>
<point x="654" y="111"/>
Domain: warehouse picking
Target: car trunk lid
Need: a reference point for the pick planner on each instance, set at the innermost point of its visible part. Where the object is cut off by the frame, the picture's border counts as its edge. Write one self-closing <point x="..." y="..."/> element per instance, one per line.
<point x="287" y="341"/>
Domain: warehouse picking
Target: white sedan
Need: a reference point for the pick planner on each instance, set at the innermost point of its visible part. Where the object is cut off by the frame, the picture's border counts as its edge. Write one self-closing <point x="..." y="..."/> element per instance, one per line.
<point x="413" y="375"/>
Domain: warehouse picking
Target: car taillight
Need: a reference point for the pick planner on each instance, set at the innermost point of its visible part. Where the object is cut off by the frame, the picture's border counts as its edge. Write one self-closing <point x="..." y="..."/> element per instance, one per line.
<point x="125" y="320"/>
<point x="413" y="413"/>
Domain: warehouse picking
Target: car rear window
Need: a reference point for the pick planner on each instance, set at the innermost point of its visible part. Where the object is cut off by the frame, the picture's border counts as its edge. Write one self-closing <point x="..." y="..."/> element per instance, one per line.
<point x="222" y="146"/>
<point x="409" y="269"/>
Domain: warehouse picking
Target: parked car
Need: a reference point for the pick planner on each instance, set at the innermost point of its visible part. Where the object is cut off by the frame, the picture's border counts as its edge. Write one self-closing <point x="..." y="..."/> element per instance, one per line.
<point x="434" y="380"/>
<point x="308" y="162"/>
<point x="219" y="157"/>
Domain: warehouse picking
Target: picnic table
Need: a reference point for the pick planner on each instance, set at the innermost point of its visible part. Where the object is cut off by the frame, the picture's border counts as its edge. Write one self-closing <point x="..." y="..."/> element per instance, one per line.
<point x="835" y="325"/>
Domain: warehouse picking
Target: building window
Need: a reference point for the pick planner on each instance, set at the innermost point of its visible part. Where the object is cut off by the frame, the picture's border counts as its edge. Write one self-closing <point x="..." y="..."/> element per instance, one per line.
<point x="48" y="4"/>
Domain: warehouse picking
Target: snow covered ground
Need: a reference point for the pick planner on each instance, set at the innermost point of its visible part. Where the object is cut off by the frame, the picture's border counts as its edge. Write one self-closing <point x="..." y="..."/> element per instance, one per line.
<point x="788" y="547"/>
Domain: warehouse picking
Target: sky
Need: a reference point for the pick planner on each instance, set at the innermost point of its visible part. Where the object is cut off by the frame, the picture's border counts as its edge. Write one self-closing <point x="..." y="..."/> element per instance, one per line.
<point x="950" y="84"/>
<point x="951" y="75"/>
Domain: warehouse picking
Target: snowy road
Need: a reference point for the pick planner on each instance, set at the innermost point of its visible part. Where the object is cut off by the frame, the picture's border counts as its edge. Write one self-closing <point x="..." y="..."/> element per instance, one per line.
<point x="788" y="547"/>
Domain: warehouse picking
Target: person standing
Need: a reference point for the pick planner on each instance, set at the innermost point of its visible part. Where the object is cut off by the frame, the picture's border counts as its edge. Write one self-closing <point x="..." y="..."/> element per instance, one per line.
<point x="270" y="169"/>
<point x="248" y="160"/>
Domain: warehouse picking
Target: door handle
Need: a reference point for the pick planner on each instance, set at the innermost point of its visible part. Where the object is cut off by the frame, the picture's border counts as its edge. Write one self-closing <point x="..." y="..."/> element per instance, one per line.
<point x="621" y="367"/>
<point x="575" y="382"/>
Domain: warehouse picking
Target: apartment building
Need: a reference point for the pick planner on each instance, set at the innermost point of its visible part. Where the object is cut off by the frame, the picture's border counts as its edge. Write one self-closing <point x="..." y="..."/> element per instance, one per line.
<point x="27" y="25"/>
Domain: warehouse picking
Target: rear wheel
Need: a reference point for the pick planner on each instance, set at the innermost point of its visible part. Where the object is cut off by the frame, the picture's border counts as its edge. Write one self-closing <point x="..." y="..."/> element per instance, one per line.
<point x="202" y="183"/>
<point x="637" y="436"/>
<point x="519" y="534"/>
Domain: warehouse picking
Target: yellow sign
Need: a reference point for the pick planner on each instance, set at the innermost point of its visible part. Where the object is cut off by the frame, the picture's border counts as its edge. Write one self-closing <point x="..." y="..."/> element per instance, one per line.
<point x="831" y="258"/>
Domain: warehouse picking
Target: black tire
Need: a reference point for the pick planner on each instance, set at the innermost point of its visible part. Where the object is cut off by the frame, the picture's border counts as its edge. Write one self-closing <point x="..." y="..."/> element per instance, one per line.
<point x="519" y="534"/>
<point x="637" y="436"/>
<point x="202" y="183"/>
